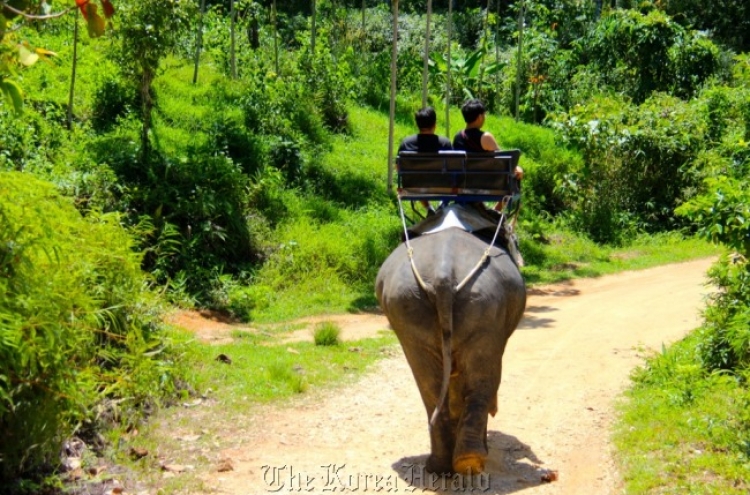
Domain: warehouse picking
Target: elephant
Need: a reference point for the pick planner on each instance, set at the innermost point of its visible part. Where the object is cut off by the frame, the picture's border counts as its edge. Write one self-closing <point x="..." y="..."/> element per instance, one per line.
<point x="453" y="337"/>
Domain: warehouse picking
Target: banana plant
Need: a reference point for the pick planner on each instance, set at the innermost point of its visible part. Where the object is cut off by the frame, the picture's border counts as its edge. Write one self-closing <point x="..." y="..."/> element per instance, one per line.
<point x="468" y="71"/>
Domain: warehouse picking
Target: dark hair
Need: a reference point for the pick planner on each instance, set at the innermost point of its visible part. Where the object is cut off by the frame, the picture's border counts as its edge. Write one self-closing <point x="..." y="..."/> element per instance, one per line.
<point x="426" y="118"/>
<point x="472" y="109"/>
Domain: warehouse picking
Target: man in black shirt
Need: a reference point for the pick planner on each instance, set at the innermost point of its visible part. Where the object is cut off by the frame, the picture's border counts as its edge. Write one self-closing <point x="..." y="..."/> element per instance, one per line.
<point x="426" y="141"/>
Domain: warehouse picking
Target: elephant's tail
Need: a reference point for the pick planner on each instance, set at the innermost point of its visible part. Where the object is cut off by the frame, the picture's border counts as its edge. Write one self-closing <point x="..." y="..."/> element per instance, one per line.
<point x="444" y="296"/>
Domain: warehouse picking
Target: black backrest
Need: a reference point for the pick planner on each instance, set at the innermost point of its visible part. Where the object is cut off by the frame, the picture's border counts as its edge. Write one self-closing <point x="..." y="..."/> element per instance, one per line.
<point x="430" y="170"/>
<point x="458" y="172"/>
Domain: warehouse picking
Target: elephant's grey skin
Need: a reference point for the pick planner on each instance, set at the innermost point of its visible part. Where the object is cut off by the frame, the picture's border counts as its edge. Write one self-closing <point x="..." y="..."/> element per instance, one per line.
<point x="475" y="322"/>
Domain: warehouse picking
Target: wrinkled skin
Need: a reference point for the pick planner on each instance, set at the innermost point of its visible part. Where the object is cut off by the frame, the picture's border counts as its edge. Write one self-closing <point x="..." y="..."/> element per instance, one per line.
<point x="475" y="323"/>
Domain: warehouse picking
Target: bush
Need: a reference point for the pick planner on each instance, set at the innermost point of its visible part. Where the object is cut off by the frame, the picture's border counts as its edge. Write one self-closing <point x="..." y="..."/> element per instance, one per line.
<point x="720" y="215"/>
<point x="113" y="99"/>
<point x="79" y="325"/>
<point x="637" y="164"/>
<point x="194" y="214"/>
<point x="326" y="334"/>
<point x="641" y="54"/>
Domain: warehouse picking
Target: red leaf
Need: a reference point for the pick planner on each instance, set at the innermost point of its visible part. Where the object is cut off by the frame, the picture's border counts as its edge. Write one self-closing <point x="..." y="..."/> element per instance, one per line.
<point x="109" y="9"/>
<point x="82" y="5"/>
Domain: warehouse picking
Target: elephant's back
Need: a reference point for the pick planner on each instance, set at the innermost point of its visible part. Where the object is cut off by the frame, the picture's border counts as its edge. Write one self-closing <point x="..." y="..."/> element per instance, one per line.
<point x="449" y="257"/>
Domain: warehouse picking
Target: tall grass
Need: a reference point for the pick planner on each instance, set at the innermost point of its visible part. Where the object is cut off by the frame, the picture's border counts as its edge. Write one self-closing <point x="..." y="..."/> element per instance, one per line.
<point x="79" y="325"/>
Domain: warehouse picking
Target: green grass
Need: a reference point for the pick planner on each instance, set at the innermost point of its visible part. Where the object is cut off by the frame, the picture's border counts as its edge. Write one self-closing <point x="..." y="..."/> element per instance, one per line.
<point x="567" y="256"/>
<point x="327" y="334"/>
<point x="264" y="370"/>
<point x="683" y="431"/>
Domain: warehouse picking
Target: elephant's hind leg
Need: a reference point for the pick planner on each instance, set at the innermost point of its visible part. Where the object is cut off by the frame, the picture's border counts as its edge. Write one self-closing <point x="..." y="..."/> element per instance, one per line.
<point x="470" y="452"/>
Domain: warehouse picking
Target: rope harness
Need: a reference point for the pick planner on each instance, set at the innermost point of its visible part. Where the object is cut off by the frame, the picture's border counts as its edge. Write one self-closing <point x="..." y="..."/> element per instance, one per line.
<point x="485" y="255"/>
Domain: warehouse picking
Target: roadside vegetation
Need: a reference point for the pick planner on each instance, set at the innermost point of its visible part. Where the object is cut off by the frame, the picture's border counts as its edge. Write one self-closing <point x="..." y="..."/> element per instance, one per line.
<point x="236" y="159"/>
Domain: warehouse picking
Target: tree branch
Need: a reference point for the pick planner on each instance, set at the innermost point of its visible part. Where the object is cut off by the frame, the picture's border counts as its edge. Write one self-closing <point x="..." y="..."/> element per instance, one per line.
<point x="35" y="17"/>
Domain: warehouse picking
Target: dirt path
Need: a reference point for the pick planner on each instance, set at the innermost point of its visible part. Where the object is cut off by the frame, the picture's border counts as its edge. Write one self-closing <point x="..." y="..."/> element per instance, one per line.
<point x="563" y="369"/>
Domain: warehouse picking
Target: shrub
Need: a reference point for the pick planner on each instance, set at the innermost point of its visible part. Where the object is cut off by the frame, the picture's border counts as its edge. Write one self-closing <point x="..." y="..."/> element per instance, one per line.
<point x="113" y="99"/>
<point x="640" y="54"/>
<point x="327" y="333"/>
<point x="637" y="163"/>
<point x="720" y="215"/>
<point x="79" y="325"/>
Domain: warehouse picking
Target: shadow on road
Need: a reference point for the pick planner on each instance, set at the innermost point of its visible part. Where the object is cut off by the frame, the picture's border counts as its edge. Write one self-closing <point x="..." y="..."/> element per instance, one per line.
<point x="511" y="467"/>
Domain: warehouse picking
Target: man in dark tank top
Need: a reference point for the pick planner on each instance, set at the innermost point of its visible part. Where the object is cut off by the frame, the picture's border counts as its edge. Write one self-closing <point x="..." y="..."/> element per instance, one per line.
<point x="473" y="139"/>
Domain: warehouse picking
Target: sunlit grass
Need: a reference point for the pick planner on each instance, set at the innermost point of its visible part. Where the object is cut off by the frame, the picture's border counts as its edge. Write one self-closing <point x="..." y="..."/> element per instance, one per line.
<point x="262" y="369"/>
<point x="682" y="430"/>
<point x="566" y="256"/>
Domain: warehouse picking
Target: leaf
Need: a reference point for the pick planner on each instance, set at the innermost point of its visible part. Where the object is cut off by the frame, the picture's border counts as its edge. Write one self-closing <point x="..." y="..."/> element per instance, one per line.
<point x="42" y="52"/>
<point x="473" y="62"/>
<point x="108" y="8"/>
<point x="26" y="56"/>
<point x="83" y="5"/>
<point x="96" y="24"/>
<point x="13" y="93"/>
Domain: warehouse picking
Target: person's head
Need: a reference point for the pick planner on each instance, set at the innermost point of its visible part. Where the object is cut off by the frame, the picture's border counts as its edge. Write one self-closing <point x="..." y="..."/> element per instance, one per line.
<point x="426" y="119"/>
<point x="472" y="110"/>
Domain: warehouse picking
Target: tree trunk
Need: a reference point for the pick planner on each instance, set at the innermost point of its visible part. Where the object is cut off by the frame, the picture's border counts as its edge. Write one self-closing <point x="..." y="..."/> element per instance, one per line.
<point x="362" y="44"/>
<point x="232" y="50"/>
<point x="72" y="91"/>
<point x="199" y="41"/>
<point x="448" y="95"/>
<point x="147" y="106"/>
<point x="275" y="38"/>
<point x="425" y="72"/>
<point x="497" y="48"/>
<point x="392" y="113"/>
<point x="519" y="60"/>
<point x="253" y="35"/>
<point x="313" y="31"/>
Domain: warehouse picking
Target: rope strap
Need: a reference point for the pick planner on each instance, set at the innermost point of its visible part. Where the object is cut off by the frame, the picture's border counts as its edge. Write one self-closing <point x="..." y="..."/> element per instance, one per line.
<point x="484" y="256"/>
<point x="410" y="250"/>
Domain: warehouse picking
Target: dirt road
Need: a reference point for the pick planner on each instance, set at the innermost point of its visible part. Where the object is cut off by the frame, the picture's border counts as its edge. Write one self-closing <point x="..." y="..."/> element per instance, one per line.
<point x="563" y="369"/>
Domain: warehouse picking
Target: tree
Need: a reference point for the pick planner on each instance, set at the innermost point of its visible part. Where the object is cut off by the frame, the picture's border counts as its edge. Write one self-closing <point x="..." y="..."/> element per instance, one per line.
<point x="728" y="21"/>
<point x="149" y="29"/>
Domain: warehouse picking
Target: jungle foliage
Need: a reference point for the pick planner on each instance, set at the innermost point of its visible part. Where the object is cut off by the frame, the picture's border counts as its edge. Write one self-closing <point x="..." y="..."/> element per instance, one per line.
<point x="227" y="150"/>
<point x="80" y="344"/>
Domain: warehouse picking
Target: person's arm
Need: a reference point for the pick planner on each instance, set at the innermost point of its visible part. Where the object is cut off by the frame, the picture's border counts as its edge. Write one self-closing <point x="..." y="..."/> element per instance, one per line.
<point x="488" y="142"/>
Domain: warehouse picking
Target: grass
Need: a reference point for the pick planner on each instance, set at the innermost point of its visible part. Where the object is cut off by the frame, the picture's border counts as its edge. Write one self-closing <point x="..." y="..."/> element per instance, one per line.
<point x="263" y="370"/>
<point x="684" y="431"/>
<point x="327" y="334"/>
<point x="567" y="256"/>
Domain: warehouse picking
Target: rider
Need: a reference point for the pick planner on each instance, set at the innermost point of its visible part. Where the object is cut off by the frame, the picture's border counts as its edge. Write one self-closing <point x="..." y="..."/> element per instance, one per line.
<point x="426" y="141"/>
<point x="473" y="139"/>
